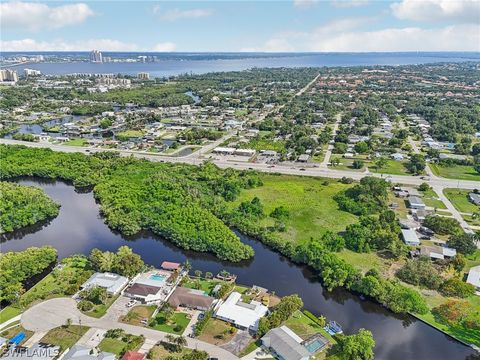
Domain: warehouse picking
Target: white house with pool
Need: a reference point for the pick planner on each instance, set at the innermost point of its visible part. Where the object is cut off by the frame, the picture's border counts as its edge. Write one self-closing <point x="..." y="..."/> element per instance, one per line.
<point x="152" y="287"/>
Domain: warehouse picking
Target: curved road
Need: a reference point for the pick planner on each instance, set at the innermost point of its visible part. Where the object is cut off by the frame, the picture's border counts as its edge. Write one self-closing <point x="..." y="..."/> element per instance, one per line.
<point x="55" y="312"/>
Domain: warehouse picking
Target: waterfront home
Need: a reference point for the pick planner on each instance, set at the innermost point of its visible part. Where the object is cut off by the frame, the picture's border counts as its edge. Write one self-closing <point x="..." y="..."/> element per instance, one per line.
<point x="190" y="298"/>
<point x="113" y="283"/>
<point x="133" y="355"/>
<point x="284" y="344"/>
<point x="474" y="278"/>
<point x="170" y="266"/>
<point x="240" y="314"/>
<point x="151" y="287"/>
<point x="79" y="352"/>
<point x="410" y="237"/>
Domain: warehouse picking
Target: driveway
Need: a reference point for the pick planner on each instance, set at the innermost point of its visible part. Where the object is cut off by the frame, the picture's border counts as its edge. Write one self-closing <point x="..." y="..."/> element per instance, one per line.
<point x="55" y="312"/>
<point x="238" y="343"/>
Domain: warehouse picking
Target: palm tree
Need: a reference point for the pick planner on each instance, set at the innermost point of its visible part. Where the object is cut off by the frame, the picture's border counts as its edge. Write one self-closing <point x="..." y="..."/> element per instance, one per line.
<point x="170" y="338"/>
<point x="187" y="265"/>
<point x="180" y="340"/>
<point x="198" y="273"/>
<point x="208" y="275"/>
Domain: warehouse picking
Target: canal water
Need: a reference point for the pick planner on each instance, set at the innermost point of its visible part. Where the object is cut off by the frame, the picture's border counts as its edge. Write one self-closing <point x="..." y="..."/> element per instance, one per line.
<point x="80" y="228"/>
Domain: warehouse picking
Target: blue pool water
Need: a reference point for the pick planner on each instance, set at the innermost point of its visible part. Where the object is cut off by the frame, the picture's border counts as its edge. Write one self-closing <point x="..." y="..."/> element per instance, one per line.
<point x="158" y="277"/>
<point x="314" y="346"/>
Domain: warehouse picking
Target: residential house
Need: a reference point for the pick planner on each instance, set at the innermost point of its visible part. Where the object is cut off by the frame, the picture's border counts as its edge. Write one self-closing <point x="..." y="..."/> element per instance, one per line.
<point x="191" y="298"/>
<point x="113" y="283"/>
<point x="79" y="352"/>
<point x="415" y="202"/>
<point x="474" y="278"/>
<point x="438" y="252"/>
<point x="242" y="315"/>
<point x="133" y="355"/>
<point x="410" y="237"/>
<point x="284" y="344"/>
<point x="474" y="198"/>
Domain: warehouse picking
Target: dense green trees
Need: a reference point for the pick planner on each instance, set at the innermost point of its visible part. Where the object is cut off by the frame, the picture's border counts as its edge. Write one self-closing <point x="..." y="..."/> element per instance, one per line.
<point x="23" y="205"/>
<point x="464" y="243"/>
<point x="280" y="313"/>
<point x="179" y="201"/>
<point x="442" y="225"/>
<point x="370" y="196"/>
<point x="420" y="272"/>
<point x="357" y="346"/>
<point x="124" y="262"/>
<point x="416" y="164"/>
<point x="17" y="267"/>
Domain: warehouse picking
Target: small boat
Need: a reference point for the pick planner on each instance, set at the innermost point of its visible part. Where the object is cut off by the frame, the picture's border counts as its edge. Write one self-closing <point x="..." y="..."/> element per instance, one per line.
<point x="333" y="328"/>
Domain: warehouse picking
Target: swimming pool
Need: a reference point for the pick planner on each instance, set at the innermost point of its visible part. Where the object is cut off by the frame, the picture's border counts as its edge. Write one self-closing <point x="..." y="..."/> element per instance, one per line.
<point x="158" y="277"/>
<point x="315" y="345"/>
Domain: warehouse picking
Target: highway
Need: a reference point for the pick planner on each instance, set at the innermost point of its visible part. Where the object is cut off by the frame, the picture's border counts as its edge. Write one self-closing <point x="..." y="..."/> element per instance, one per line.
<point x="300" y="169"/>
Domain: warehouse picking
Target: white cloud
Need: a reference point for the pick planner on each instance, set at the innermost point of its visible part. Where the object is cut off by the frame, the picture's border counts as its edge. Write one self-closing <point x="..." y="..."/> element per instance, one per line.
<point x="304" y="4"/>
<point x="165" y="47"/>
<point x="63" y="45"/>
<point x="346" y="36"/>
<point x="349" y="3"/>
<point x="37" y="16"/>
<point x="466" y="11"/>
<point x="176" y="14"/>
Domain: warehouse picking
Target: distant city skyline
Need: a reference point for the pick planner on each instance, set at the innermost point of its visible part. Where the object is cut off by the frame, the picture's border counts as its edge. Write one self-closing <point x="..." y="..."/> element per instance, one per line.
<point x="233" y="26"/>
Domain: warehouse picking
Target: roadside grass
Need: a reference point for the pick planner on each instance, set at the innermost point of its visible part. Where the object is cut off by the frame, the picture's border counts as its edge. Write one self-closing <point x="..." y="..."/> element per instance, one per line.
<point x="129" y="134"/>
<point x="308" y="200"/>
<point x="471" y="221"/>
<point x="99" y="310"/>
<point x="393" y="167"/>
<point x="265" y="144"/>
<point x="431" y="199"/>
<point x="65" y="336"/>
<point x="461" y="172"/>
<point x="251" y="346"/>
<point x="217" y="332"/>
<point x="11" y="332"/>
<point x="8" y="313"/>
<point x="176" y="325"/>
<point x="75" y="142"/>
<point x="121" y="344"/>
<point x="459" y="199"/>
<point x="137" y="314"/>
<point x="347" y="163"/>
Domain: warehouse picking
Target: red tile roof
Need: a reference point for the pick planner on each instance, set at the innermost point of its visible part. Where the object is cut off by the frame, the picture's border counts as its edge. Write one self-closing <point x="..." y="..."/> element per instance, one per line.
<point x="167" y="265"/>
<point x="133" y="355"/>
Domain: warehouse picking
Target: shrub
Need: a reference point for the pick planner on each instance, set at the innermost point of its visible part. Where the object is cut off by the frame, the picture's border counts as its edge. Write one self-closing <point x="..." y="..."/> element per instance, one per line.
<point x="457" y="287"/>
<point x="85" y="305"/>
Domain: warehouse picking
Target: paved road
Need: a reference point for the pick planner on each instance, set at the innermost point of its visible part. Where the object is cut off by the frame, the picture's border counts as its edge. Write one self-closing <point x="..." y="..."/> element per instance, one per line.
<point x="55" y="312"/>
<point x="456" y="215"/>
<point x="282" y="169"/>
<point x="328" y="153"/>
<point x="205" y="149"/>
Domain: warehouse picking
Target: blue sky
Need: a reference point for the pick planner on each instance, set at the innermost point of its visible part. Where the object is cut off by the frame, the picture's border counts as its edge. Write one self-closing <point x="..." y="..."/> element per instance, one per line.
<point x="288" y="25"/>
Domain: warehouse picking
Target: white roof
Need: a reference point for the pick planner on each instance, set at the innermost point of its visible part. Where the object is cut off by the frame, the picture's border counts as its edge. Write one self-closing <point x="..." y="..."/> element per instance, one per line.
<point x="410" y="236"/>
<point x="113" y="283"/>
<point x="449" y="251"/>
<point x="80" y="352"/>
<point x="474" y="276"/>
<point x="240" y="313"/>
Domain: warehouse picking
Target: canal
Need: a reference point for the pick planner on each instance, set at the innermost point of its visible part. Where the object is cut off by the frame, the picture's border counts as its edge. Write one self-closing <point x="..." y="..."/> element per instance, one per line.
<point x="80" y="228"/>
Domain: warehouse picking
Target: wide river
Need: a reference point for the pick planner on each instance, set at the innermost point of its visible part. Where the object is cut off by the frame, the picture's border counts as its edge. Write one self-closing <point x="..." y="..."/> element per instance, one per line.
<point x="168" y="66"/>
<point x="80" y="228"/>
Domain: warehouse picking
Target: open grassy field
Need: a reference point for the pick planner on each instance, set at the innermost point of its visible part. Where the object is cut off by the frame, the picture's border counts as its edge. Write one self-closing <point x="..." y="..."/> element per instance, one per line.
<point x="138" y="313"/>
<point x="217" y="332"/>
<point x="459" y="199"/>
<point x="365" y="261"/>
<point x="461" y="172"/>
<point x="431" y="199"/>
<point x="65" y="336"/>
<point x="393" y="167"/>
<point x="76" y="142"/>
<point x="309" y="201"/>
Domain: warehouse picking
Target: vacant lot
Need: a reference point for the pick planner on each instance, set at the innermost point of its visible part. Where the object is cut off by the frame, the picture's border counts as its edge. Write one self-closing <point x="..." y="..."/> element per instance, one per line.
<point x="217" y="332"/>
<point x="460" y="172"/>
<point x="459" y="199"/>
<point x="308" y="200"/>
<point x="65" y="336"/>
<point x="175" y="325"/>
<point x="139" y="313"/>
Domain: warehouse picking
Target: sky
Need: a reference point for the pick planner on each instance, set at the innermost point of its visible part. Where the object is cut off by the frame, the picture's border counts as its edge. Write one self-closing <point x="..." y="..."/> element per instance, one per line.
<point x="233" y="26"/>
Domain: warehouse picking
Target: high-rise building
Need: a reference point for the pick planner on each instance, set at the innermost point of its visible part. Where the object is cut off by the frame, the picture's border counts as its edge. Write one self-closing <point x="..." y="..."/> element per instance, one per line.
<point x="96" y="56"/>
<point x="8" y="75"/>
<point x="143" y="76"/>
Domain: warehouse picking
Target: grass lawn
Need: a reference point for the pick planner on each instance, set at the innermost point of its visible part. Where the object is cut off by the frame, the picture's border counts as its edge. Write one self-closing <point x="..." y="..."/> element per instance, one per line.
<point x="158" y="352"/>
<point x="252" y="346"/>
<point x="65" y="337"/>
<point x="176" y="325"/>
<point x="431" y="199"/>
<point x="305" y="327"/>
<point x="10" y="333"/>
<point x="8" y="313"/>
<point x="200" y="284"/>
<point x="99" y="310"/>
<point x="392" y="167"/>
<point x="310" y="203"/>
<point x="114" y="346"/>
<point x="459" y="199"/>
<point x="461" y="172"/>
<point x="129" y="134"/>
<point x="217" y="332"/>
<point x="138" y="313"/>
<point x="75" y="142"/>
<point x="347" y="163"/>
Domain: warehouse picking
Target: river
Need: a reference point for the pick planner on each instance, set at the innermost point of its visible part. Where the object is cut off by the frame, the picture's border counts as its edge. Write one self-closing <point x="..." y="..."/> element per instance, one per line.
<point x="80" y="228"/>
